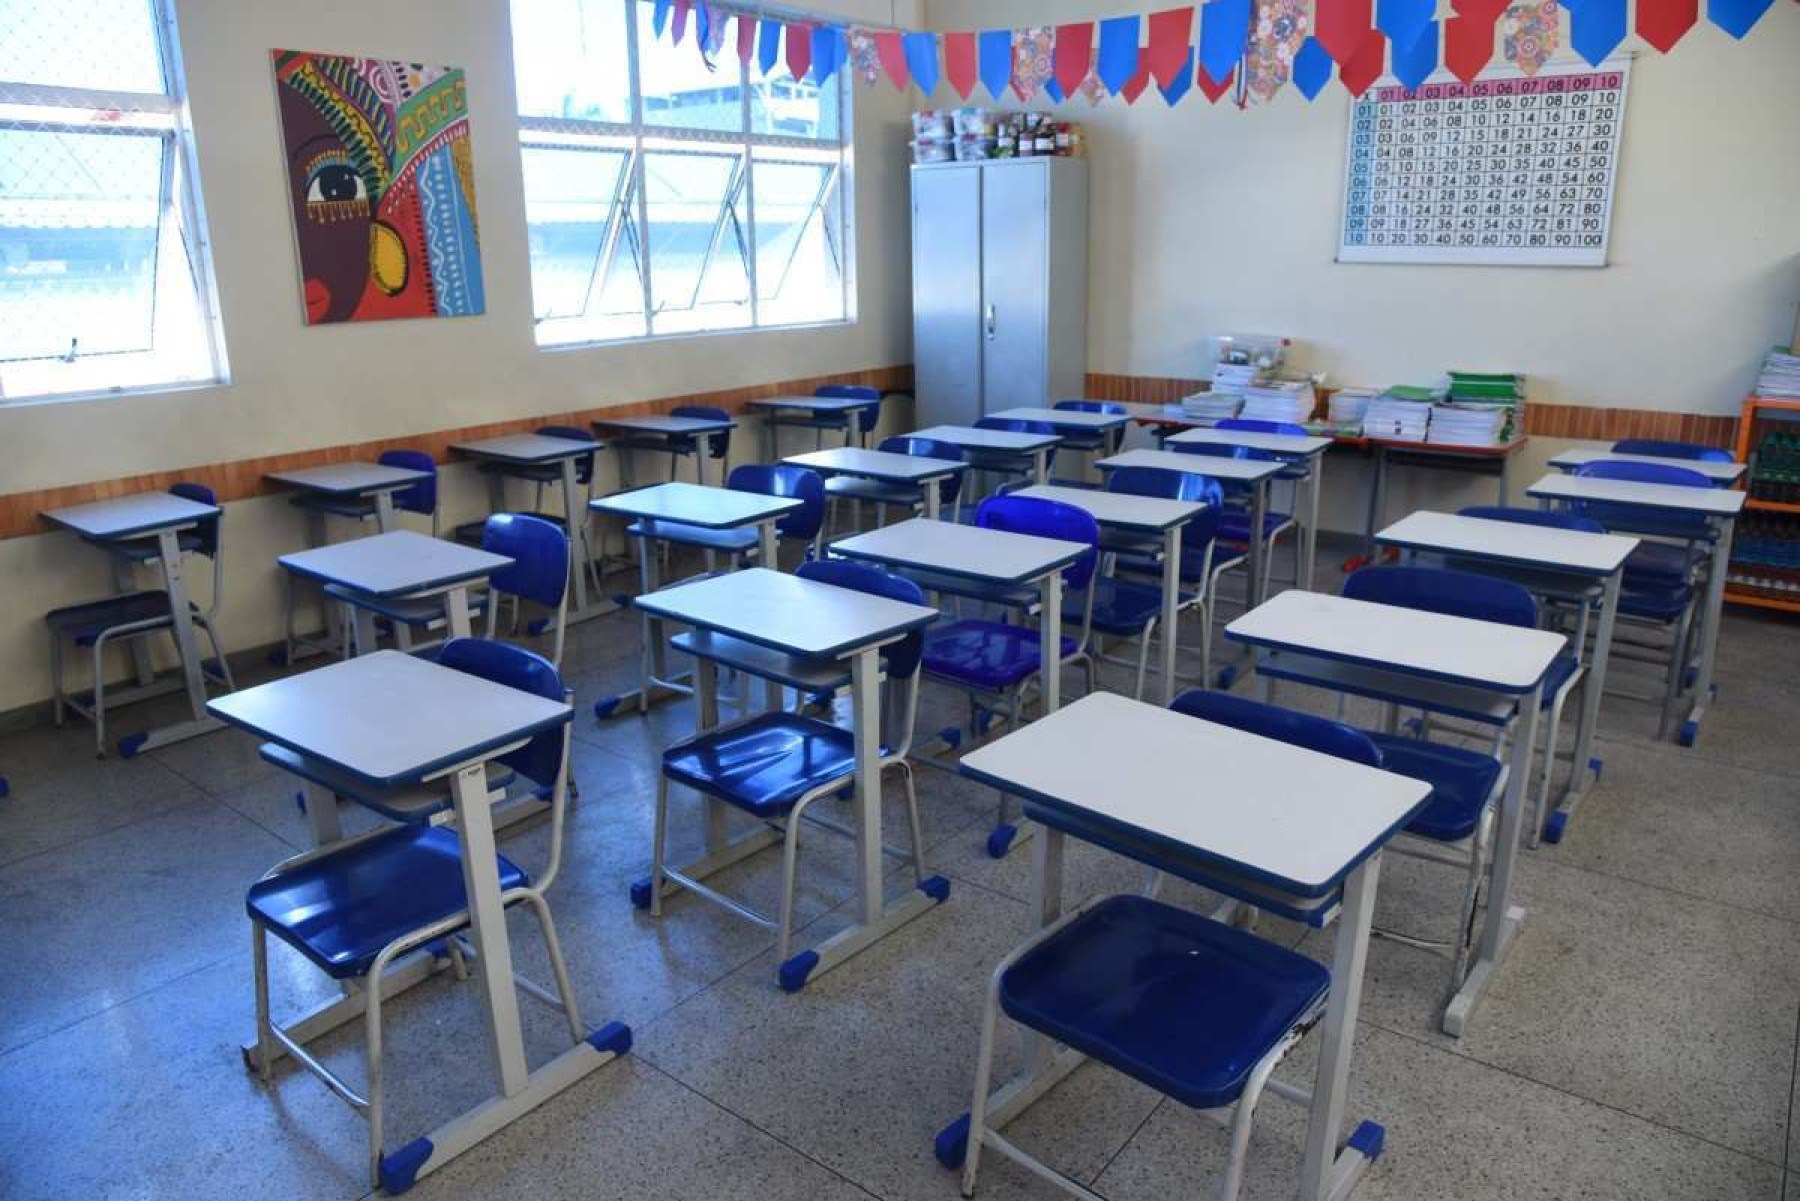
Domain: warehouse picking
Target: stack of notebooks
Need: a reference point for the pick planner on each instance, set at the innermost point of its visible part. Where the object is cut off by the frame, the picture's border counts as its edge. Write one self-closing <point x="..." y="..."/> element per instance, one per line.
<point x="1235" y="377"/>
<point x="1400" y="413"/>
<point x="1212" y="406"/>
<point x="1502" y="392"/>
<point x="1348" y="407"/>
<point x="1456" y="424"/>
<point x="1780" y="374"/>
<point x="1288" y="400"/>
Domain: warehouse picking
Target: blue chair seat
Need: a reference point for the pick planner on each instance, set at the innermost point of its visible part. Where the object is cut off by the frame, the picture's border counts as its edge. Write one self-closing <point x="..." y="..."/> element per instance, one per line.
<point x="1191" y="563"/>
<point x="1654" y="604"/>
<point x="1660" y="564"/>
<point x="143" y="550"/>
<point x="341" y="910"/>
<point x="986" y="654"/>
<point x="733" y="541"/>
<point x="416" y="611"/>
<point x="1121" y="607"/>
<point x="1234" y="524"/>
<point x="765" y="765"/>
<point x="1182" y="1003"/>
<point x="1561" y="668"/>
<point x="83" y="624"/>
<point x="354" y="507"/>
<point x="849" y="487"/>
<point x="1460" y="783"/>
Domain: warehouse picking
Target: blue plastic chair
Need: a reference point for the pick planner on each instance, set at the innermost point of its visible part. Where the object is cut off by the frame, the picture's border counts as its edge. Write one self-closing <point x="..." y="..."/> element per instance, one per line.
<point x="1672" y="450"/>
<point x="421" y="498"/>
<point x="1089" y="441"/>
<point x="1235" y="527"/>
<point x="882" y="494"/>
<point x="133" y="616"/>
<point x="681" y="446"/>
<point x="355" y="907"/>
<point x="774" y="765"/>
<point x="804" y="525"/>
<point x="1004" y="465"/>
<point x="866" y="419"/>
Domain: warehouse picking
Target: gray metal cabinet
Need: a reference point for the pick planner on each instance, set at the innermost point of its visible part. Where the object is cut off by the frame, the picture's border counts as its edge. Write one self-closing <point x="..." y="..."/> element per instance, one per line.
<point x="999" y="286"/>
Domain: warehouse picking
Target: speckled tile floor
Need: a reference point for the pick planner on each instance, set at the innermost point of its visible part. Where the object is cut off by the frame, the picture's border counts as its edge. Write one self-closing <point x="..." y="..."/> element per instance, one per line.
<point x="1639" y="1043"/>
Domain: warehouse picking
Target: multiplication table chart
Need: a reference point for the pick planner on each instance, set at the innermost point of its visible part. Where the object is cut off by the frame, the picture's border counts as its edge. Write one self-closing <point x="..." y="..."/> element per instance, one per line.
<point x="1509" y="169"/>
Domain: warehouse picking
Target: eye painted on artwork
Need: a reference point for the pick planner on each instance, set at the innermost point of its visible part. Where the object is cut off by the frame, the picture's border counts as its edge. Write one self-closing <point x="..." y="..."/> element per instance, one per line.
<point x="335" y="181"/>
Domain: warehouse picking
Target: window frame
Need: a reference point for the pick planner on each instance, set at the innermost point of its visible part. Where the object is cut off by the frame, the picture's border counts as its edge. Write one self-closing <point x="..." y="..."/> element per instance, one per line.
<point x="179" y="202"/>
<point x="640" y="138"/>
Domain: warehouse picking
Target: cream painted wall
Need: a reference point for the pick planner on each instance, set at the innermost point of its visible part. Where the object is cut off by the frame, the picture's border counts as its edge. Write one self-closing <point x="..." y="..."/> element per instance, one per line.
<point x="295" y="388"/>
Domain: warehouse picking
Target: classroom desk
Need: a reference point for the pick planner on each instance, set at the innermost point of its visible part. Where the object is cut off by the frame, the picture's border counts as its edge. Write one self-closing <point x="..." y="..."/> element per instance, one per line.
<point x="658" y="433"/>
<point x="810" y="621"/>
<point x="1000" y="446"/>
<point x="812" y="410"/>
<point x="345" y="483"/>
<point x="162" y="516"/>
<point x="1073" y="421"/>
<point x="1264" y="817"/>
<point x="696" y="507"/>
<point x="1576" y="563"/>
<point x="1140" y="515"/>
<point x="1719" y="473"/>
<point x="1720" y="508"/>
<point x="885" y="467"/>
<point x="1308" y="450"/>
<point x="1414" y="657"/>
<point x="390" y="719"/>
<point x="541" y="450"/>
<point x="399" y="565"/>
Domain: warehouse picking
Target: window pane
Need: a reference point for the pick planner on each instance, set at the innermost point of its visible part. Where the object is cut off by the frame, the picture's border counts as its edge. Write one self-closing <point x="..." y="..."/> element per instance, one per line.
<point x="799" y="266"/>
<point x="571" y="59"/>
<point x="680" y="90"/>
<point x="109" y="45"/>
<point x="780" y="104"/>
<point x="686" y="193"/>
<point x="571" y="202"/>
<point x="78" y="237"/>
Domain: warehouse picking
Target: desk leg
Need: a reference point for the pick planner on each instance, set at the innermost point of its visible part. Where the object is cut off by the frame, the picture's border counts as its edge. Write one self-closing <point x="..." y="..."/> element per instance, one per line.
<point x="1717" y="566"/>
<point x="1008" y="834"/>
<point x="1593" y="688"/>
<point x="580" y="554"/>
<point x="384" y="512"/>
<point x="1171" y="597"/>
<point x="1040" y="466"/>
<point x="1505" y="480"/>
<point x="1315" y="484"/>
<point x="1501" y="925"/>
<point x="1377" y="496"/>
<point x="187" y="648"/>
<point x="769" y="551"/>
<point x="1326" y="1171"/>
<point x="456" y="609"/>
<point x="1257" y="586"/>
<point x="933" y="505"/>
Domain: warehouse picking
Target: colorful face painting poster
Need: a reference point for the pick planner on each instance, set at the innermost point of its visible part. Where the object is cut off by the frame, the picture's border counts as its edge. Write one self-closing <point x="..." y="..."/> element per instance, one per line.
<point x="383" y="187"/>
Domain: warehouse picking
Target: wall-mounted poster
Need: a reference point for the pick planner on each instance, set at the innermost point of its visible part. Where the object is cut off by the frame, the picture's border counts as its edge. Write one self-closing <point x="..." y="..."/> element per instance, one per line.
<point x="382" y="182"/>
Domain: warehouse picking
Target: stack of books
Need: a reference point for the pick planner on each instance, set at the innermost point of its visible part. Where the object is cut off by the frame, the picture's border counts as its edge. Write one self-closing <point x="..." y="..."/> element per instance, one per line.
<point x="1348" y="407"/>
<point x="1503" y="392"/>
<point x="1456" y="424"/>
<point x="1780" y="376"/>
<point x="1235" y="377"/>
<point x="1289" y="400"/>
<point x="1212" y="406"/>
<point x="1401" y="413"/>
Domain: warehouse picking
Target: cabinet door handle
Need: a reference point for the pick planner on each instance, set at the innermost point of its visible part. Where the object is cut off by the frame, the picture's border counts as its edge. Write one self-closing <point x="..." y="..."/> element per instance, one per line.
<point x="988" y="322"/>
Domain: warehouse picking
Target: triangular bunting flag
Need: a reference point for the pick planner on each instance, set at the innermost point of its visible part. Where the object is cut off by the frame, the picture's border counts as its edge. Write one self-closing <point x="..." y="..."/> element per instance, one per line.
<point x="1183" y="81"/>
<point x="1074" y="53"/>
<point x="1420" y="59"/>
<point x="1224" y="28"/>
<point x="768" y="44"/>
<point x="1118" y="61"/>
<point x="1054" y="90"/>
<point x="1468" y="46"/>
<point x="1134" y="87"/>
<point x="1214" y="90"/>
<point x="746" y="38"/>
<point x="1032" y="51"/>
<point x="678" y="27"/>
<point x="1171" y="37"/>
<point x="1736" y="16"/>
<point x="1343" y="26"/>
<point x="864" y="59"/>
<point x="1663" y="22"/>
<point x="1487" y="10"/>
<point x="995" y="55"/>
<point x="959" y="62"/>
<point x="1312" y="69"/>
<point x="1278" y="28"/>
<point x="659" y="17"/>
<point x="890" y="52"/>
<point x="799" y="49"/>
<point x="1364" y="67"/>
<point x="1533" y="34"/>
<point x="1596" y="27"/>
<point x="922" y="60"/>
<point x="827" y="52"/>
<point x="1403" y="20"/>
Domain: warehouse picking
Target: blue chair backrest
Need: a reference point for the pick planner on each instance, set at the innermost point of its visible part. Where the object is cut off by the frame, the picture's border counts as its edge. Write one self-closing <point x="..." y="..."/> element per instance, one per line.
<point x="1671" y="450"/>
<point x="1217" y="450"/>
<point x="1643" y="473"/>
<point x="584" y="466"/>
<point x="1284" y="725"/>
<point x="902" y="657"/>
<point x="1615" y="515"/>
<point x="540" y="759"/>
<point x="717" y="445"/>
<point x="1046" y="519"/>
<point x="206" y="533"/>
<point x="930" y="448"/>
<point x="782" y="479"/>
<point x="1442" y="590"/>
<point x="1015" y="425"/>
<point x="1110" y="408"/>
<point x="422" y="496"/>
<point x="866" y="419"/>
<point x="539" y="551"/>
<point x="1175" y="485"/>
<point x="1253" y="425"/>
<point x="1555" y="519"/>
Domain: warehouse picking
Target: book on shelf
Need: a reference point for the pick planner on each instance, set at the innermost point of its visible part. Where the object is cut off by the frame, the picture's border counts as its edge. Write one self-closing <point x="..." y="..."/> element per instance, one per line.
<point x="1780" y="375"/>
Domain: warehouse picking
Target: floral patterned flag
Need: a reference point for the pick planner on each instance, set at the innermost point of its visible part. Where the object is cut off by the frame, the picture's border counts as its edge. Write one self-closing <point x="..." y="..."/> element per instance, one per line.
<point x="1093" y="87"/>
<point x="1033" y="56"/>
<point x="865" y="60"/>
<point x="1533" y="30"/>
<point x="1278" y="30"/>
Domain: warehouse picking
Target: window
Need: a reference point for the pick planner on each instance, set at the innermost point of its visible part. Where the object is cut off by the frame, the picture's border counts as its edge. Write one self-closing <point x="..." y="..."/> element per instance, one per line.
<point x="671" y="195"/>
<point x="104" y="282"/>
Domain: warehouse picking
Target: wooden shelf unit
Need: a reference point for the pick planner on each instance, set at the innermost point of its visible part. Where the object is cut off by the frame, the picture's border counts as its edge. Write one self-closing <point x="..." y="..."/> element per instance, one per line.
<point x="1746" y="431"/>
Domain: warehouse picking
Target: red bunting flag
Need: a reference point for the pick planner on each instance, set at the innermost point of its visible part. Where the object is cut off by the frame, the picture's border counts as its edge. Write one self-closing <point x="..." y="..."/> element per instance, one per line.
<point x="1135" y="86"/>
<point x="1213" y="90"/>
<point x="1365" y="66"/>
<point x="1468" y="45"/>
<point x="746" y="37"/>
<point x="892" y="53"/>
<point x="678" y="27"/>
<point x="1171" y="37"/>
<point x="1662" y="23"/>
<point x="1074" y="55"/>
<point x="1488" y="10"/>
<point x="959" y="62"/>
<point x="1342" y="27"/>
<point x="799" y="49"/>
